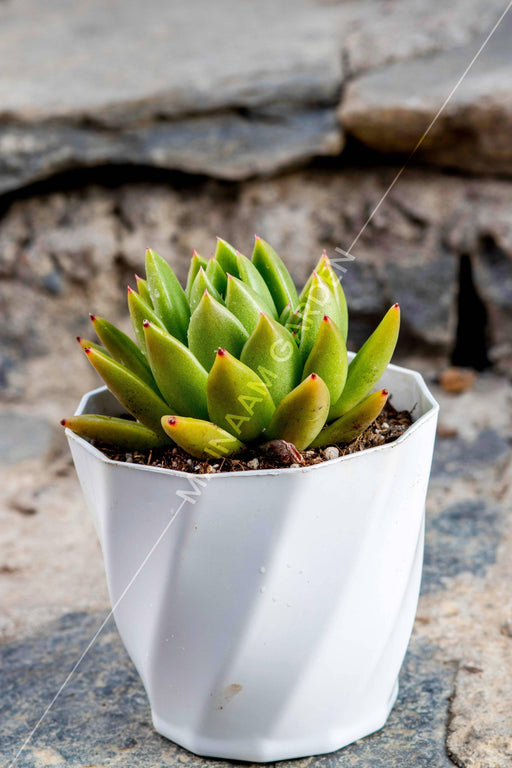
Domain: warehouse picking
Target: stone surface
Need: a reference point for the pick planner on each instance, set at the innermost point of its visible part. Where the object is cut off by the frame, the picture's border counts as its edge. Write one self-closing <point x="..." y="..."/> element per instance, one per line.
<point x="389" y="109"/>
<point x="455" y="700"/>
<point x="23" y="437"/>
<point x="221" y="89"/>
<point x="230" y="89"/>
<point x="102" y="717"/>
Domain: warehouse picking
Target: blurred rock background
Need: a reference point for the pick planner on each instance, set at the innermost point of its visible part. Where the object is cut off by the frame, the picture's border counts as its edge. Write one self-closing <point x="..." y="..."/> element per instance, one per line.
<point x="125" y="125"/>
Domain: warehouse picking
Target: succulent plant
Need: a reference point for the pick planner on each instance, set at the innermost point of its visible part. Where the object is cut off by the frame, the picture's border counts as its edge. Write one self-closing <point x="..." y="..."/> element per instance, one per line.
<point x="236" y="357"/>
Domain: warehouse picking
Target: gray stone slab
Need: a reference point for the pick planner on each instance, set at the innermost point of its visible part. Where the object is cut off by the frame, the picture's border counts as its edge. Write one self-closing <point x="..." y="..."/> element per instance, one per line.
<point x="463" y="538"/>
<point x="226" y="145"/>
<point x="124" y="82"/>
<point x="102" y="717"/>
<point x="390" y="108"/>
<point x="23" y="437"/>
<point x="457" y="457"/>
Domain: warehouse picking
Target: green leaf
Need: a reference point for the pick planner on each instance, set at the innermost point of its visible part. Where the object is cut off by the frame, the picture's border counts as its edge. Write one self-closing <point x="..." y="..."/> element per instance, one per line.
<point x="213" y="326"/>
<point x="201" y="439"/>
<point x="328" y="358"/>
<point x="251" y="277"/>
<point x="123" y="349"/>
<point x="275" y="274"/>
<point x="225" y="254"/>
<point x="244" y="303"/>
<point x="196" y="263"/>
<point x="216" y="275"/>
<point x="180" y="377"/>
<point x="119" y="433"/>
<point x="294" y="323"/>
<point x="271" y="351"/>
<point x="143" y="290"/>
<point x="320" y="302"/>
<point x="167" y="295"/>
<point x="300" y="416"/>
<point x="352" y="424"/>
<point x="84" y="343"/>
<point x="238" y="400"/>
<point x="202" y="284"/>
<point x="285" y="314"/>
<point x="369" y="364"/>
<point x="140" y="311"/>
<point x="133" y="393"/>
<point x="327" y="273"/>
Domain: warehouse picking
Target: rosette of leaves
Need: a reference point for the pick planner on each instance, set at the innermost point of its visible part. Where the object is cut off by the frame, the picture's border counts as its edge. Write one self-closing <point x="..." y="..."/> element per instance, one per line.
<point x="236" y="357"/>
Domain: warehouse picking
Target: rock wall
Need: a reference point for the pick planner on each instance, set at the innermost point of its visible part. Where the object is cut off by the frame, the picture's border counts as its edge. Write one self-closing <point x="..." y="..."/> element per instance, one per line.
<point x="241" y="91"/>
<point x="65" y="254"/>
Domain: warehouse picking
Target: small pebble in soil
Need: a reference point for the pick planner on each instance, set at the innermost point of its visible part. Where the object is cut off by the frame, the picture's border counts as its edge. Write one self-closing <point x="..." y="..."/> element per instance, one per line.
<point x="331" y="452"/>
<point x="253" y="464"/>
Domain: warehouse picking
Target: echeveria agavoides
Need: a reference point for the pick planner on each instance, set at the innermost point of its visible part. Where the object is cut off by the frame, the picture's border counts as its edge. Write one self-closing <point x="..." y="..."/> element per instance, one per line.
<point x="237" y="357"/>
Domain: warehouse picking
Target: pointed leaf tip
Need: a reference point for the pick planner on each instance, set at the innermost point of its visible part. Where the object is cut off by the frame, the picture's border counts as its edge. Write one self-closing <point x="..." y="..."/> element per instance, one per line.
<point x="63" y="422"/>
<point x="93" y="317"/>
<point x="384" y="392"/>
<point x="79" y="339"/>
<point x="172" y="420"/>
<point x="313" y="376"/>
<point x="146" y="323"/>
<point x="221" y="352"/>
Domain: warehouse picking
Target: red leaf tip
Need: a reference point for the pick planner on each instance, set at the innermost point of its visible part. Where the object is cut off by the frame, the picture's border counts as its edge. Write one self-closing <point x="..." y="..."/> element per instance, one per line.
<point x="194" y="252"/>
<point x="385" y="392"/>
<point x="87" y="350"/>
<point x="130" y="289"/>
<point x="257" y="237"/>
<point x="146" y="323"/>
<point x="79" y="339"/>
<point x="93" y="317"/>
<point x="63" y="422"/>
<point x="221" y="352"/>
<point x="396" y="306"/>
<point x="326" y="318"/>
<point x="172" y="420"/>
<point x="314" y="376"/>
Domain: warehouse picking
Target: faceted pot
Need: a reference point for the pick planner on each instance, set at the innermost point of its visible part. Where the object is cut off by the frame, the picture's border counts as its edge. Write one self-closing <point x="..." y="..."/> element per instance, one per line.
<point x="267" y="612"/>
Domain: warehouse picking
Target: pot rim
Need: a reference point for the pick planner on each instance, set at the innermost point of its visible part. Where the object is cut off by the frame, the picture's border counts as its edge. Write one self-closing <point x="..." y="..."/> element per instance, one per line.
<point x="427" y="416"/>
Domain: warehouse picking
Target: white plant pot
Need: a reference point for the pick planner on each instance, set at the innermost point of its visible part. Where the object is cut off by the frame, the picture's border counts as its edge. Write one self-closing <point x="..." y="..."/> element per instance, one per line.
<point x="271" y="618"/>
